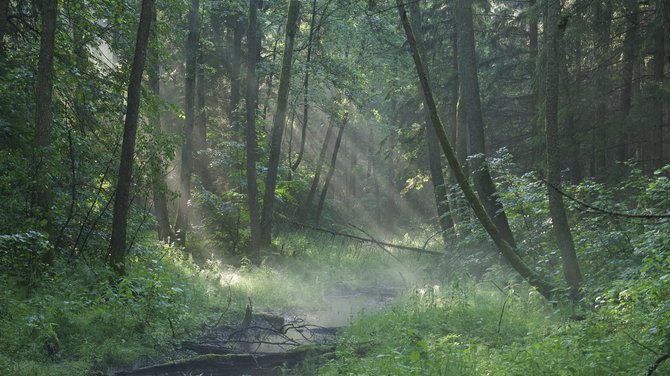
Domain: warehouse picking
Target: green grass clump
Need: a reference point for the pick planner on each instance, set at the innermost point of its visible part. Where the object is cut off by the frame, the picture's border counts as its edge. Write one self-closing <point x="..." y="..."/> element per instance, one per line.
<point x="463" y="330"/>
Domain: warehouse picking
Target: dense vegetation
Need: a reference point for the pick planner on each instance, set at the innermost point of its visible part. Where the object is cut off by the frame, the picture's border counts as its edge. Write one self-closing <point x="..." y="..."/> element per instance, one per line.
<point x="497" y="170"/>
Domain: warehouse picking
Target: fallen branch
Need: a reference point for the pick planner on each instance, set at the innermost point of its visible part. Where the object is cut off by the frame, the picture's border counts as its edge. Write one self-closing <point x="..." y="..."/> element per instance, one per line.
<point x="375" y="241"/>
<point x="362" y="239"/>
<point x="657" y="363"/>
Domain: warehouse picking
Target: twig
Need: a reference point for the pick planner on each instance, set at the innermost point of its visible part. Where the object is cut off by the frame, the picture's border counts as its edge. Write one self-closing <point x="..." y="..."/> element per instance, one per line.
<point x="640" y="343"/>
<point x="376" y="242"/>
<point x="502" y="312"/>
<point x="337" y="233"/>
<point x="605" y="211"/>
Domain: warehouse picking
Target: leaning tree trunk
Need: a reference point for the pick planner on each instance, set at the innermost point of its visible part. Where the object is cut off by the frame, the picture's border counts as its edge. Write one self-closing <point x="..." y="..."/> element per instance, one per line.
<point x="278" y="124"/>
<point x="545" y="288"/>
<point x="305" y="94"/>
<point x="253" y="47"/>
<point x="42" y="197"/>
<point x="470" y="113"/>
<point x="434" y="156"/>
<point x="304" y="210"/>
<point x="122" y="201"/>
<point x="182" y="222"/>
<point x="331" y="171"/>
<point x="573" y="275"/>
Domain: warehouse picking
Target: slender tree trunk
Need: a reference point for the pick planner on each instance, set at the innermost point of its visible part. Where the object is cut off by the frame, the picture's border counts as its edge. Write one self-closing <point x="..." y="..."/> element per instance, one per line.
<point x="4" y="12"/>
<point x="434" y="155"/>
<point x="253" y="47"/>
<point x="601" y="156"/>
<point x="121" y="202"/>
<point x="535" y="124"/>
<point x="235" y="71"/>
<point x="660" y="32"/>
<point x="191" y="49"/>
<point x="278" y="124"/>
<point x="317" y="174"/>
<point x="42" y="197"/>
<point x="470" y="113"/>
<point x="573" y="275"/>
<point x="201" y="157"/>
<point x="331" y="171"/>
<point x="629" y="60"/>
<point x="270" y="78"/>
<point x="159" y="186"/>
<point x="545" y="288"/>
<point x="305" y="84"/>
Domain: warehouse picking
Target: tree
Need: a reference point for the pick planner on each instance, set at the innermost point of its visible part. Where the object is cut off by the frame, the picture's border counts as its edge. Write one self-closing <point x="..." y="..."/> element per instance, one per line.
<point x="191" y="49"/>
<point x="305" y="89"/>
<point x="559" y="218"/>
<point x="42" y="196"/>
<point x="253" y="48"/>
<point x="4" y="13"/>
<point x="122" y="200"/>
<point x="434" y="156"/>
<point x="469" y="112"/>
<point x="331" y="169"/>
<point x="303" y="211"/>
<point x="545" y="288"/>
<point x="278" y="124"/>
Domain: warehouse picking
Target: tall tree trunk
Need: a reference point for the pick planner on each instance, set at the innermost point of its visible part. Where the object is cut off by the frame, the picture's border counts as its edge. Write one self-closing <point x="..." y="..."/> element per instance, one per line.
<point x="601" y="160"/>
<point x="630" y="46"/>
<point x="253" y="48"/>
<point x="545" y="288"/>
<point x="4" y="12"/>
<point x="42" y="198"/>
<point x="660" y="32"/>
<point x="235" y="71"/>
<point x="559" y="218"/>
<point x="159" y="185"/>
<point x="191" y="49"/>
<point x="304" y="210"/>
<point x="331" y="170"/>
<point x="535" y="125"/>
<point x="305" y="93"/>
<point x="121" y="202"/>
<point x="470" y="113"/>
<point x="200" y="135"/>
<point x="434" y="155"/>
<point x="278" y="124"/>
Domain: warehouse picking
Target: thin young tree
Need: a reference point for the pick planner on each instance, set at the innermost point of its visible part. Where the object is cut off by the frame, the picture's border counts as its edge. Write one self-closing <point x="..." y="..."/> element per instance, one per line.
<point x="186" y="167"/>
<point x="278" y="124"/>
<point x="42" y="197"/>
<point x="122" y="199"/>
<point x="331" y="169"/>
<point x="303" y="212"/>
<point x="559" y="218"/>
<point x="544" y="287"/>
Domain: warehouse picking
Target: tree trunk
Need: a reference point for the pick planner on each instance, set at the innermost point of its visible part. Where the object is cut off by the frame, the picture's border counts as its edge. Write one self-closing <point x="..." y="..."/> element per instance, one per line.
<point x="545" y="288"/>
<point x="657" y="138"/>
<point x="121" y="202"/>
<point x="434" y="155"/>
<point x="253" y="47"/>
<point x="159" y="186"/>
<point x="235" y="71"/>
<point x="278" y="124"/>
<point x="4" y="12"/>
<point x="303" y="213"/>
<point x="201" y="157"/>
<point x="305" y="103"/>
<point x="470" y="113"/>
<point x="630" y="46"/>
<point x="331" y="170"/>
<point x="535" y="125"/>
<point x="191" y="49"/>
<point x="559" y="218"/>
<point x="42" y="197"/>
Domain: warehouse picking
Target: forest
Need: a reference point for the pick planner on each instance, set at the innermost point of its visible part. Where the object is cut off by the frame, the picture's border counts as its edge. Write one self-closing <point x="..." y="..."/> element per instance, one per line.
<point x="334" y="187"/>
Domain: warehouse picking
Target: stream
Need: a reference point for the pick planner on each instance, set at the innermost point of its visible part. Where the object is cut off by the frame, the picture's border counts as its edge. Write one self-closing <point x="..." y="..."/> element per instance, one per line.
<point x="273" y="343"/>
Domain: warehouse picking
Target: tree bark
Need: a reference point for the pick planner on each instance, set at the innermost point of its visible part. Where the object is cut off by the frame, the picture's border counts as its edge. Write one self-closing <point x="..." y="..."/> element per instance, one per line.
<point x="660" y="32"/>
<point x="559" y="218"/>
<point x="235" y="71"/>
<point x="253" y="48"/>
<point x="629" y="60"/>
<point x="434" y="155"/>
<point x="470" y="113"/>
<point x="201" y="157"/>
<point x="545" y="288"/>
<point x="331" y="170"/>
<point x="303" y="213"/>
<point x="278" y="124"/>
<point x="159" y="186"/>
<point x="305" y="103"/>
<point x="121" y="202"/>
<point x="42" y="197"/>
<point x="191" y="58"/>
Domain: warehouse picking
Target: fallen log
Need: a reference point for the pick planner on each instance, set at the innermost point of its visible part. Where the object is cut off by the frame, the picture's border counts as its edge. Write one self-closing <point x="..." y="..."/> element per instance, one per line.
<point x="226" y="364"/>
